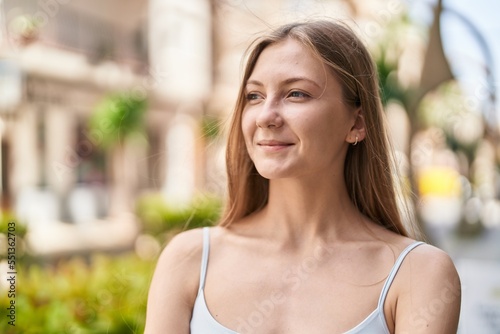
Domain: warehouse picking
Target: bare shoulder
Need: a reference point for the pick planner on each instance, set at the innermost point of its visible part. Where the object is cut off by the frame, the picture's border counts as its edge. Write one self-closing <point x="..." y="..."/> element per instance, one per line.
<point x="427" y="261"/>
<point x="184" y="247"/>
<point x="428" y="292"/>
<point x="174" y="285"/>
<point x="181" y="259"/>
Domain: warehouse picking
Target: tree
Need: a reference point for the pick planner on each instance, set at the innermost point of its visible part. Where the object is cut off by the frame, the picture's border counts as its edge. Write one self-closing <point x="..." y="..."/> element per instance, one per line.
<point x="117" y="120"/>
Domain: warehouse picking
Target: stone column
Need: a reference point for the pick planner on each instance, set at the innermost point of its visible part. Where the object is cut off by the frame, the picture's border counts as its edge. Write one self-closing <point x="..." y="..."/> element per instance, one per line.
<point x="180" y="145"/>
<point x="180" y="39"/>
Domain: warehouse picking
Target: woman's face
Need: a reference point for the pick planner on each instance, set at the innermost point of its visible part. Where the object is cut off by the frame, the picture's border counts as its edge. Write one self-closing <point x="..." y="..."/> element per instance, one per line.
<point x="295" y="122"/>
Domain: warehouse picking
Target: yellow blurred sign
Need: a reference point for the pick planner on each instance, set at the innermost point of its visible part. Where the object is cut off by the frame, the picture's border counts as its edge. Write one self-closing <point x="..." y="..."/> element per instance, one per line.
<point x="439" y="181"/>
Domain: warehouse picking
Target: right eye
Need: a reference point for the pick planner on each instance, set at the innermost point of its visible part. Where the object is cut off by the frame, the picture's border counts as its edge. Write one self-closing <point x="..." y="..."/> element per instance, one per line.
<point x="252" y="96"/>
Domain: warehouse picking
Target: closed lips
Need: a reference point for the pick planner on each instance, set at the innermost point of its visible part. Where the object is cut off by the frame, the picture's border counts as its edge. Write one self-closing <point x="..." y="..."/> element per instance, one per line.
<point x="273" y="143"/>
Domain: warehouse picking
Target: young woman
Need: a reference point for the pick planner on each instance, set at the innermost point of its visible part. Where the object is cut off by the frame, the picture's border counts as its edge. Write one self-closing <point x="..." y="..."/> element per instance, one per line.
<point x="312" y="240"/>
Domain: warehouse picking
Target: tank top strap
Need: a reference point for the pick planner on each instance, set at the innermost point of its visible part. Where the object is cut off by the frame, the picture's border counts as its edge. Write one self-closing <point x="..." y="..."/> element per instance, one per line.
<point x="204" y="257"/>
<point x="394" y="271"/>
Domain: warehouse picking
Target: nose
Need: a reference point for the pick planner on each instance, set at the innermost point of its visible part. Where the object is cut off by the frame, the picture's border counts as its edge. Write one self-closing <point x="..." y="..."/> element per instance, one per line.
<point x="269" y="114"/>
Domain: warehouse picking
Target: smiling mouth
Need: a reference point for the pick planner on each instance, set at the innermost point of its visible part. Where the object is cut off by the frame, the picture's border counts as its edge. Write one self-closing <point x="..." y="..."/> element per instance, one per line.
<point x="273" y="145"/>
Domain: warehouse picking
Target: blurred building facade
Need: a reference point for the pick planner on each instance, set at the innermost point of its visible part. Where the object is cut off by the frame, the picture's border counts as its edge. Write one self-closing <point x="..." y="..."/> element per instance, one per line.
<point x="184" y="56"/>
<point x="70" y="55"/>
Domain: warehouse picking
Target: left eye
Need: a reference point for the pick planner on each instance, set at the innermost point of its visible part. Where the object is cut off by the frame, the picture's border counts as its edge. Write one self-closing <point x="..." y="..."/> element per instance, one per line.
<point x="297" y="94"/>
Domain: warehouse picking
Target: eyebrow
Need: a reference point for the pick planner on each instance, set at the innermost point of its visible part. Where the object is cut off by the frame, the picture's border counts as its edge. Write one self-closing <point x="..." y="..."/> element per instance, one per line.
<point x="286" y="82"/>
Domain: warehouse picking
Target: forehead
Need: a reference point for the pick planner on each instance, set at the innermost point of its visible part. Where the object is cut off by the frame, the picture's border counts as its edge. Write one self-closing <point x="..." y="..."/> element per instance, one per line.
<point x="287" y="58"/>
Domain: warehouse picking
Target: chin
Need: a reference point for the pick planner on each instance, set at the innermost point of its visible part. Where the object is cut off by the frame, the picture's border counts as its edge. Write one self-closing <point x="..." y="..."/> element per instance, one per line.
<point x="274" y="173"/>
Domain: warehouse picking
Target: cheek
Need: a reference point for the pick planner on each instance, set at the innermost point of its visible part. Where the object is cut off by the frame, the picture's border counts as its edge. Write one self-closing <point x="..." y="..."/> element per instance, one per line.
<point x="323" y="132"/>
<point x="248" y="127"/>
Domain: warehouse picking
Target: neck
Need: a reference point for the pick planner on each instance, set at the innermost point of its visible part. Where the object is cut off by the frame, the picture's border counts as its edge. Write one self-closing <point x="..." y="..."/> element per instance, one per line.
<point x="299" y="210"/>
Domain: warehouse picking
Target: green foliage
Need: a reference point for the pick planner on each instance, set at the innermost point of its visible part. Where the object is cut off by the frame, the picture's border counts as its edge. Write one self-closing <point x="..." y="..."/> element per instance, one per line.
<point x="158" y="217"/>
<point x="7" y="218"/>
<point x="12" y="232"/>
<point x="99" y="295"/>
<point x="210" y="126"/>
<point x="27" y="26"/>
<point x="118" y="117"/>
<point x="448" y="108"/>
<point x="390" y="87"/>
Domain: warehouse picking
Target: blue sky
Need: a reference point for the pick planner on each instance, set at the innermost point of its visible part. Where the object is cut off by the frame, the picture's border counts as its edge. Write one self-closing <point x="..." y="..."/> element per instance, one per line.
<point x="464" y="52"/>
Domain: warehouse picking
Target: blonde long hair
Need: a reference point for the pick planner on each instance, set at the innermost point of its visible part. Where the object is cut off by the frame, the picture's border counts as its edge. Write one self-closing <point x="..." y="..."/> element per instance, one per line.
<point x="368" y="170"/>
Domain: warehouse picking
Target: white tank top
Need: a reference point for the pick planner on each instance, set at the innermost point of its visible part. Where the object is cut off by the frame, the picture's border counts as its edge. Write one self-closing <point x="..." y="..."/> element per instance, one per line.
<point x="202" y="322"/>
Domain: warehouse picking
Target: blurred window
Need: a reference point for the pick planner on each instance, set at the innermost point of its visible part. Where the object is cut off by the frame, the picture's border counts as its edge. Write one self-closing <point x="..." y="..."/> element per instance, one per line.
<point x="67" y="28"/>
<point x="92" y="169"/>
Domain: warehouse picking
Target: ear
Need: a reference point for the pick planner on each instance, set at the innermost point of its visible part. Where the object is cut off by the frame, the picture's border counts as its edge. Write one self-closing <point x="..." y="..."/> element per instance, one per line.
<point x="358" y="129"/>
